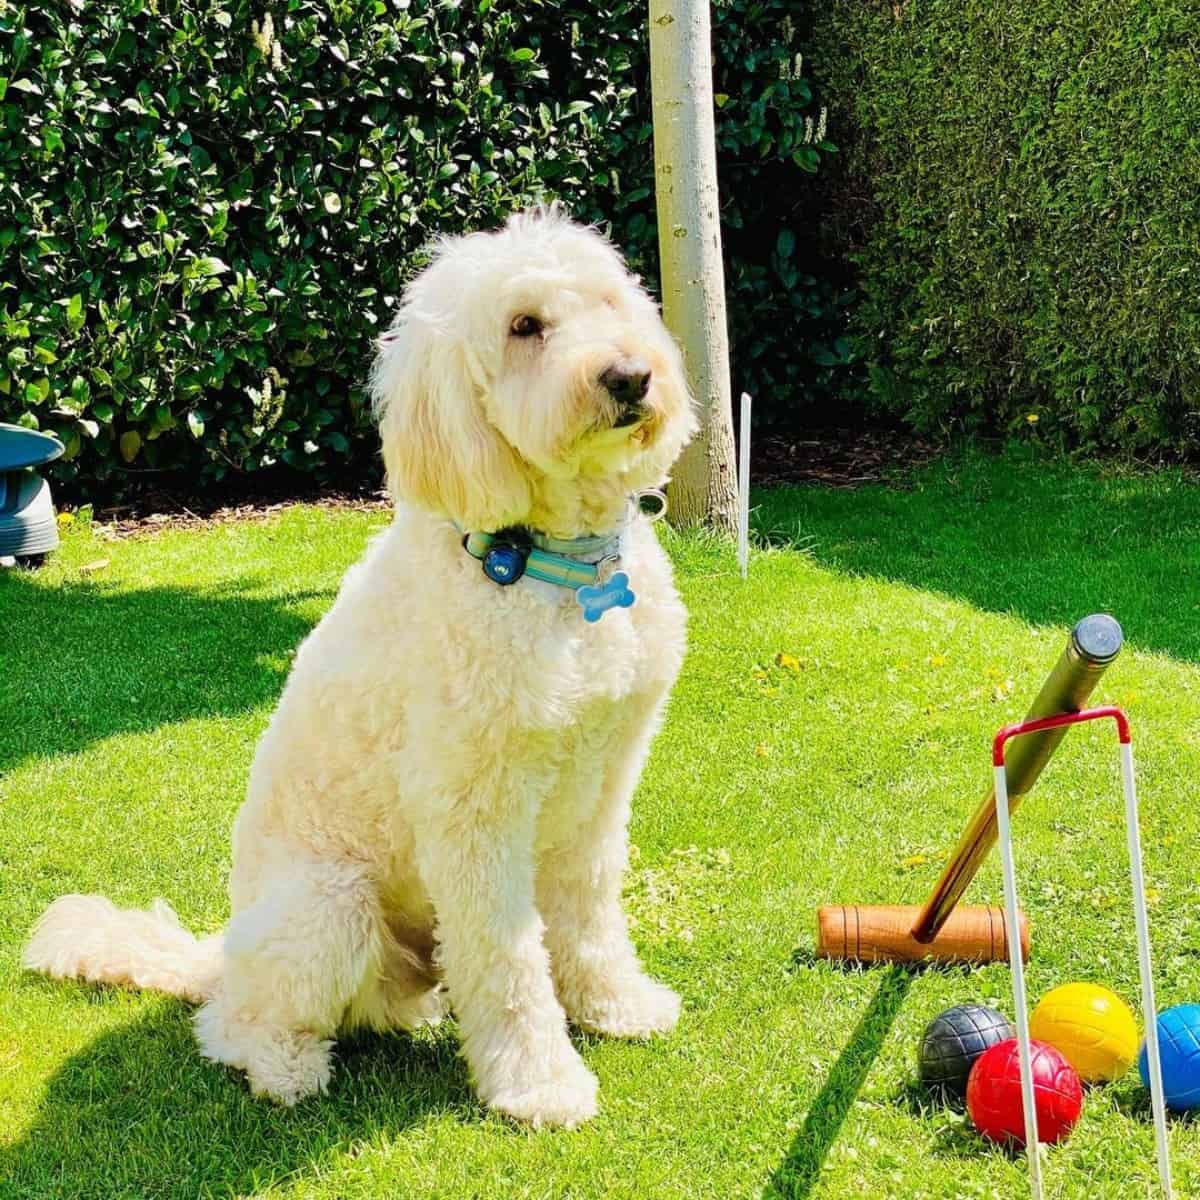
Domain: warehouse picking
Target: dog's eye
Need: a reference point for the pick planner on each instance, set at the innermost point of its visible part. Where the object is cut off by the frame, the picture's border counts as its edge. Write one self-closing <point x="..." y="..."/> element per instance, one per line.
<point x="525" y="326"/>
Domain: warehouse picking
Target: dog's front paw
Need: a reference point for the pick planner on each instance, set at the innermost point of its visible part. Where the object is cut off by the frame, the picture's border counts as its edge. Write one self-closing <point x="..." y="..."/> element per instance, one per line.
<point x="637" y="1007"/>
<point x="563" y="1093"/>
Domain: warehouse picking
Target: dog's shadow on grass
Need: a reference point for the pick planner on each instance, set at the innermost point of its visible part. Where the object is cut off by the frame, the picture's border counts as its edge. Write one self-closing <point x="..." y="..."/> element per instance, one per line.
<point x="140" y="1113"/>
<point x="86" y="660"/>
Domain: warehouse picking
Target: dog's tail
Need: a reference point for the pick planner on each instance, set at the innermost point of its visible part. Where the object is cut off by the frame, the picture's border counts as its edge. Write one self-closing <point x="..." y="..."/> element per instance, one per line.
<point x="88" y="937"/>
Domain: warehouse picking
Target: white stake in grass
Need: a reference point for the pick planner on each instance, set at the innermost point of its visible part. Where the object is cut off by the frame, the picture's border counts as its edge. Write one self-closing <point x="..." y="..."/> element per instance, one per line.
<point x="744" y="487"/>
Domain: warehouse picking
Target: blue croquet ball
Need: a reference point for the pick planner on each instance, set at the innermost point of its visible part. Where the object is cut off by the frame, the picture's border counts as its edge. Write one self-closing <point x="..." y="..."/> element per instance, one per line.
<point x="1179" y="1050"/>
<point x="952" y="1042"/>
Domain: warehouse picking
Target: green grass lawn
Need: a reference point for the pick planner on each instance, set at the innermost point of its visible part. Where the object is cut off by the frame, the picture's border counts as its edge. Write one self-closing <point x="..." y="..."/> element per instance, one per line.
<point x="918" y="619"/>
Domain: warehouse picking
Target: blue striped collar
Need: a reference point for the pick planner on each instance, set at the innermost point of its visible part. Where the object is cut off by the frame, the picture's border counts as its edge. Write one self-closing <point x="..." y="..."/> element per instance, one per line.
<point x="587" y="565"/>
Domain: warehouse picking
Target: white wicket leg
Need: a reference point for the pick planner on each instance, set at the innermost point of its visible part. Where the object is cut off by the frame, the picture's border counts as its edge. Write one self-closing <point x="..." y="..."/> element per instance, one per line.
<point x="1149" y="1011"/>
<point x="1013" y="924"/>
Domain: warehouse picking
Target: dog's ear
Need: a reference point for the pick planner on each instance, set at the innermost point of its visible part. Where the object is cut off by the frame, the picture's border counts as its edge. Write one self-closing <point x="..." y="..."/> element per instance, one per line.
<point x="440" y="450"/>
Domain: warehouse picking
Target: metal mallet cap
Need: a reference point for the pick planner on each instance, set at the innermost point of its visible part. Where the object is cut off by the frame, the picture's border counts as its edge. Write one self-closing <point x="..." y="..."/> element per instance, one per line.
<point x="1097" y="638"/>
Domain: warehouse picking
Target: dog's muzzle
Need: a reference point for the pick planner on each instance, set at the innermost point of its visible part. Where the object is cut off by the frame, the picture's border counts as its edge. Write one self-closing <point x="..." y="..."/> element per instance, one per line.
<point x="627" y="381"/>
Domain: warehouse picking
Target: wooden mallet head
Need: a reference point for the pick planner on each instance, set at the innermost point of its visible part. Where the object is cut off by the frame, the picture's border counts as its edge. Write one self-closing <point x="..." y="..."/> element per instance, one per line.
<point x="884" y="933"/>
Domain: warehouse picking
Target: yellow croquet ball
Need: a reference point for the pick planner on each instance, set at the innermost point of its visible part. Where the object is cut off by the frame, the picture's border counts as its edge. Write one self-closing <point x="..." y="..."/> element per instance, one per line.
<point x="1091" y="1027"/>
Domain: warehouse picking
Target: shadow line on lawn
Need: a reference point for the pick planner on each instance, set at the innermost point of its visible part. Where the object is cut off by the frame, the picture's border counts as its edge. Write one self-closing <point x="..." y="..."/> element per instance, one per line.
<point x="1046" y="542"/>
<point x="800" y="1170"/>
<point x="84" y="661"/>
<point x="139" y="1113"/>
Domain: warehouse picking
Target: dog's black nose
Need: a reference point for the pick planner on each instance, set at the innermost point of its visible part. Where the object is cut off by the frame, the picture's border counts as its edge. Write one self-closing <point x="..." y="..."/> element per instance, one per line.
<point x="627" y="381"/>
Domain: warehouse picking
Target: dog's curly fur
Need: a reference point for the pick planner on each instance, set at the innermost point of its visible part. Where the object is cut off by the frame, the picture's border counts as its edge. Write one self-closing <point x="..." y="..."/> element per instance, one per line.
<point x="437" y="812"/>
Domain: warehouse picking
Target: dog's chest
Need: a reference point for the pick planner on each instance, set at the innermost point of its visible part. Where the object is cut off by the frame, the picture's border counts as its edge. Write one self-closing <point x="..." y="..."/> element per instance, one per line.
<point x="588" y="757"/>
<point x="577" y="675"/>
<point x="571" y="668"/>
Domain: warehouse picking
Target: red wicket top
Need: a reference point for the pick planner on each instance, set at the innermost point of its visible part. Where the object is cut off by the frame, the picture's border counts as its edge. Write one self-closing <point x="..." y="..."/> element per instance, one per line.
<point x="1077" y="718"/>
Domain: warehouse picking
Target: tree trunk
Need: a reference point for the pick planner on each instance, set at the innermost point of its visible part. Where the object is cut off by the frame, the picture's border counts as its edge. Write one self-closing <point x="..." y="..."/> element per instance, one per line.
<point x="704" y="488"/>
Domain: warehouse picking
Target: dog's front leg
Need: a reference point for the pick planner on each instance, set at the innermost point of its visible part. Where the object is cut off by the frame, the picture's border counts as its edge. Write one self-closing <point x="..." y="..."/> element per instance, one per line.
<point x="596" y="970"/>
<point x="477" y="863"/>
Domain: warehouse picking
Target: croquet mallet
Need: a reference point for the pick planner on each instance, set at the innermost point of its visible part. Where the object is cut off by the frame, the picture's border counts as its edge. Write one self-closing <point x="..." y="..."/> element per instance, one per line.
<point x="938" y="930"/>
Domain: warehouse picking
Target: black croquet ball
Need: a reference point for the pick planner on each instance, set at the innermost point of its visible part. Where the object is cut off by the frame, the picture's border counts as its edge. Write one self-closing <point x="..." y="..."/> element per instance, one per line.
<point x="952" y="1042"/>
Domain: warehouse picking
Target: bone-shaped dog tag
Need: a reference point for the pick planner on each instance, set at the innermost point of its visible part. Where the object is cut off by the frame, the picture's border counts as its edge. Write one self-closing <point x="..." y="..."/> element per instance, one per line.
<point x="597" y="600"/>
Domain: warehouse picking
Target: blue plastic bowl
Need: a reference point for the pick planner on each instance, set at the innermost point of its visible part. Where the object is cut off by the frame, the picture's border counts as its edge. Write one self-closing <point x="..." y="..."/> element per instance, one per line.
<point x="27" y="523"/>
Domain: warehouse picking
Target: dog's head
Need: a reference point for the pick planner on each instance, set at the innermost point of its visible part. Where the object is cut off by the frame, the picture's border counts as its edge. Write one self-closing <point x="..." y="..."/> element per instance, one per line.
<point x="529" y="380"/>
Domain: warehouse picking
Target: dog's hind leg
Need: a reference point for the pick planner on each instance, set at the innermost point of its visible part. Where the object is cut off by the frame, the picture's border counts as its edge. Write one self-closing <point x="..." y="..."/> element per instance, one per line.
<point x="294" y="961"/>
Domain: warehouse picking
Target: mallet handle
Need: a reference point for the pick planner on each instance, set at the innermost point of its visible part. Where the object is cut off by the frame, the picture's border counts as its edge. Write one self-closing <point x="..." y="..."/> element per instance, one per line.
<point x="1093" y="644"/>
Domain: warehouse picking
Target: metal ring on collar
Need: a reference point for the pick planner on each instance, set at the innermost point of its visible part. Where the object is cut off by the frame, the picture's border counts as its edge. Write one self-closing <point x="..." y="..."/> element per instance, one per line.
<point x="658" y="499"/>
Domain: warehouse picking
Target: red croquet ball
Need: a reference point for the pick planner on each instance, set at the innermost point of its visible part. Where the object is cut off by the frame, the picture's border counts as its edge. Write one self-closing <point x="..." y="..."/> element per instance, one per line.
<point x="994" y="1093"/>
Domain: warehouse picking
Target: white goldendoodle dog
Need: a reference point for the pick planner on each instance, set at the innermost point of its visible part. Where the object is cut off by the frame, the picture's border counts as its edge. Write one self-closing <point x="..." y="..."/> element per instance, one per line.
<point x="437" y="812"/>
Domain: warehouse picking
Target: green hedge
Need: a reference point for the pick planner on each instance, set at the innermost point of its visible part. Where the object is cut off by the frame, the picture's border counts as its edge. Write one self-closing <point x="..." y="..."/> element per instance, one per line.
<point x="207" y="209"/>
<point x="1020" y="199"/>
